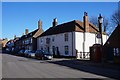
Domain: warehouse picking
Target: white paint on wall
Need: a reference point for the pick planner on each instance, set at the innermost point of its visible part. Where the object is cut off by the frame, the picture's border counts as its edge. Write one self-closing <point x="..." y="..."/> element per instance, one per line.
<point x="104" y="37"/>
<point x="81" y="42"/>
<point x="58" y="42"/>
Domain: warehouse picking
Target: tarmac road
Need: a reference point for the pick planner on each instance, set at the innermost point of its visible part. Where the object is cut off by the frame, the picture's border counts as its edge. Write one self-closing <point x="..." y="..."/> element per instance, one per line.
<point x="20" y="67"/>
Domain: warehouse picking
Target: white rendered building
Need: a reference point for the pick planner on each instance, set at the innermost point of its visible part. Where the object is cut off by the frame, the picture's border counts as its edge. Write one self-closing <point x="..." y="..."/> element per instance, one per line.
<point x="67" y="38"/>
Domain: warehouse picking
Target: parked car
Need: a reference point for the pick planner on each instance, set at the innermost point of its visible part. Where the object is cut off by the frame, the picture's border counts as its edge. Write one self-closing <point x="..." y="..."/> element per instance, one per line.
<point x="21" y="52"/>
<point x="41" y="54"/>
<point x="26" y="52"/>
<point x="29" y="53"/>
<point x="8" y="50"/>
<point x="15" y="51"/>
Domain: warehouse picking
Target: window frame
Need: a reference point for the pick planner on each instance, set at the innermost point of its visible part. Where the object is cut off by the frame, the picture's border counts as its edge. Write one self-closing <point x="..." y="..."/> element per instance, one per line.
<point x="66" y="37"/>
<point x="66" y="49"/>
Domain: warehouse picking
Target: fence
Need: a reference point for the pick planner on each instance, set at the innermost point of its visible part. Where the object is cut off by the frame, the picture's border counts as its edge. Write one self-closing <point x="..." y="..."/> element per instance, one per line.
<point x="83" y="55"/>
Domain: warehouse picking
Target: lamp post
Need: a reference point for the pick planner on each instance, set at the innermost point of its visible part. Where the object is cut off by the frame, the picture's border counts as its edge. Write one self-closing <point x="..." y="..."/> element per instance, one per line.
<point x="100" y="21"/>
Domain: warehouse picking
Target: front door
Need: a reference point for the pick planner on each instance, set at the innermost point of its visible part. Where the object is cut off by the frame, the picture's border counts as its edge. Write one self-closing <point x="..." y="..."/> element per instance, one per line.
<point x="57" y="49"/>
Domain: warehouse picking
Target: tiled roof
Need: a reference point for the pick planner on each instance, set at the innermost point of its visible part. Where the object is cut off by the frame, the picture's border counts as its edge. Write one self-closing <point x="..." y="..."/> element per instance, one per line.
<point x="29" y="34"/>
<point x="38" y="33"/>
<point x="71" y="26"/>
<point x="32" y="33"/>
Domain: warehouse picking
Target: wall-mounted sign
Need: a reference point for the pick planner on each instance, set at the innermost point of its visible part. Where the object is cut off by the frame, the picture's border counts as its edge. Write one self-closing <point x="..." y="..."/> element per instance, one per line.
<point x="98" y="36"/>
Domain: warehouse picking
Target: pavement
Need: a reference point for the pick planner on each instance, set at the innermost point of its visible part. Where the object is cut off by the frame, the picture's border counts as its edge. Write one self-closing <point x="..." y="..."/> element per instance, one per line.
<point x="98" y="64"/>
<point x="90" y="63"/>
<point x="26" y="68"/>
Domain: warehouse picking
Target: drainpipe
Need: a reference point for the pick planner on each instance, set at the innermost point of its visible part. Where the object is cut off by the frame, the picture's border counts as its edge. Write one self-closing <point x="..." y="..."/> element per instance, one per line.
<point x="72" y="44"/>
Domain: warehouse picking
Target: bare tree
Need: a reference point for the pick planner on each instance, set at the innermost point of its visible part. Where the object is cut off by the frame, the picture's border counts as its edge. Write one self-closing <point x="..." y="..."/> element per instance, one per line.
<point x="105" y="23"/>
<point x="94" y="20"/>
<point x="116" y="17"/>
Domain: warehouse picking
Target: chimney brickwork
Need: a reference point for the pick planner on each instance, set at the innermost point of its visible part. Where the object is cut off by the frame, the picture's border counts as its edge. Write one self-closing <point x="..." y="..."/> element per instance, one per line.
<point x="86" y="22"/>
<point x="39" y="24"/>
<point x="26" y="31"/>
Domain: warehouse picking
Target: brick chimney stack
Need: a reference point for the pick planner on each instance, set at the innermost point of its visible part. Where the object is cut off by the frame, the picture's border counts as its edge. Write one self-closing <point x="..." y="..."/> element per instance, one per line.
<point x="55" y="22"/>
<point x="39" y="24"/>
<point x="86" y="22"/>
<point x="26" y="31"/>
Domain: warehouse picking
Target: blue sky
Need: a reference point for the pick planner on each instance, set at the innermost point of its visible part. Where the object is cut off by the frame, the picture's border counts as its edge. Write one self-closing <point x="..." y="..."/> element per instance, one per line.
<point x="17" y="16"/>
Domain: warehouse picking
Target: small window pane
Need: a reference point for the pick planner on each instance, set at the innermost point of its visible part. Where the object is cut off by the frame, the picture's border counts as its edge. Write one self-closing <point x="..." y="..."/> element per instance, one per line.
<point x="66" y="50"/>
<point x="66" y="36"/>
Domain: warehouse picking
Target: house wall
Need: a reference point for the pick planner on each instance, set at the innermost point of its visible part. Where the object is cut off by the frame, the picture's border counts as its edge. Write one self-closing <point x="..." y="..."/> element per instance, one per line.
<point x="84" y="40"/>
<point x="59" y="42"/>
<point x="79" y="41"/>
<point x="29" y="43"/>
<point x="34" y="44"/>
<point x="76" y="41"/>
<point x="105" y="37"/>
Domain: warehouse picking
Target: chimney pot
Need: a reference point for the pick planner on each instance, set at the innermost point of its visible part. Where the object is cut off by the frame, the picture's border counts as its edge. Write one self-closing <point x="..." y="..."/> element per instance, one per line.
<point x="55" y="22"/>
<point x="85" y="14"/>
<point x="14" y="36"/>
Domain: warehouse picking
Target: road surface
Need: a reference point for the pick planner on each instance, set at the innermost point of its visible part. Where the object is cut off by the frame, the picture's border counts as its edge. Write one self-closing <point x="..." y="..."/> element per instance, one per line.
<point x="20" y="67"/>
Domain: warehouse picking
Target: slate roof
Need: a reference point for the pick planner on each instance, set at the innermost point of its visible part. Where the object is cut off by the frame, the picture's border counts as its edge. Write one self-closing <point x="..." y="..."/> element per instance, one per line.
<point x="29" y="34"/>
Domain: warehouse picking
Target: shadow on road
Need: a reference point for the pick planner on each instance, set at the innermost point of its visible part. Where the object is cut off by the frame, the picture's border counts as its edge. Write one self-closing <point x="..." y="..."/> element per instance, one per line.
<point x="86" y="67"/>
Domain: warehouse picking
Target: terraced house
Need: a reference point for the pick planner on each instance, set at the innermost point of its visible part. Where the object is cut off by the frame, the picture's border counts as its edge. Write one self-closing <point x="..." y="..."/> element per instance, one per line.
<point x="29" y="40"/>
<point x="69" y="38"/>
